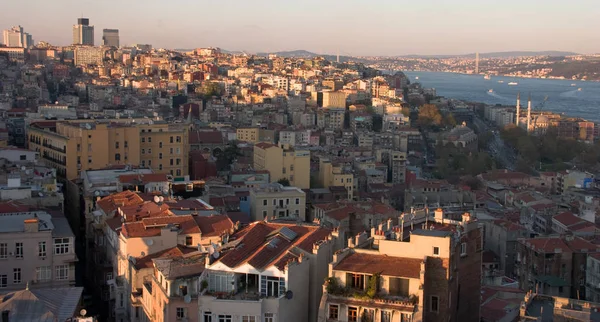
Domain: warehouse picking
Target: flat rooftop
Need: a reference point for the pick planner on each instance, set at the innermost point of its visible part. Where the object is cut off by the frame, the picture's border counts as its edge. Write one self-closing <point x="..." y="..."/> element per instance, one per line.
<point x="15" y="222"/>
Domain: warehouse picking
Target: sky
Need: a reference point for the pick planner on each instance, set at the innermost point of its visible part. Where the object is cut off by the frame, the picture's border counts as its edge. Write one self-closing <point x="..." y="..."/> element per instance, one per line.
<point x="350" y="27"/>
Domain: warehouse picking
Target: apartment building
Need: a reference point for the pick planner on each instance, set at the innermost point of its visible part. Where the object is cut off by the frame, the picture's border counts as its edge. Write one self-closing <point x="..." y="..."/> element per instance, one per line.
<point x="267" y="272"/>
<point x="397" y="166"/>
<point x="553" y="265"/>
<point x="274" y="201"/>
<point x="86" y="55"/>
<point x="36" y="248"/>
<point x="283" y="162"/>
<point x="592" y="278"/>
<point x="334" y="174"/>
<point x="255" y="135"/>
<point x="501" y="237"/>
<point x="73" y="146"/>
<point x="433" y="275"/>
<point x="334" y="100"/>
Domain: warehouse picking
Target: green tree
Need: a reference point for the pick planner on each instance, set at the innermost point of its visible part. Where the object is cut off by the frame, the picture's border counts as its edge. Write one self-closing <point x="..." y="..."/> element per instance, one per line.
<point x="429" y="115"/>
<point x="284" y="182"/>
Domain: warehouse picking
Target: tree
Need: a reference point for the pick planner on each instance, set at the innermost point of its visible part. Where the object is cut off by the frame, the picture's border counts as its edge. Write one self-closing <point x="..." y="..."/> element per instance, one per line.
<point x="429" y="115"/>
<point x="226" y="158"/>
<point x="284" y="182"/>
<point x="449" y="120"/>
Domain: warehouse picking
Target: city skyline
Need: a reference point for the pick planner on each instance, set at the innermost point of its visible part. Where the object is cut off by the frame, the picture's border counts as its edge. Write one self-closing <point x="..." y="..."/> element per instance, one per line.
<point x="425" y="28"/>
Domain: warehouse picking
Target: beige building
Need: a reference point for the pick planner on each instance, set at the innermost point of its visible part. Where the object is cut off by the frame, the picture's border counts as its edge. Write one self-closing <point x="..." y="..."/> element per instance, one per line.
<point x="72" y="146"/>
<point x="255" y="135"/>
<point x="335" y="175"/>
<point x="85" y="55"/>
<point x="269" y="272"/>
<point x="334" y="100"/>
<point x="283" y="163"/>
<point x="274" y="201"/>
<point x="35" y="248"/>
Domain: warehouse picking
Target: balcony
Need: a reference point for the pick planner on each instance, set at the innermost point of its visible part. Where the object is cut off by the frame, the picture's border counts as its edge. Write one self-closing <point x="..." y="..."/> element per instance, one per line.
<point x="46" y="156"/>
<point x="57" y="149"/>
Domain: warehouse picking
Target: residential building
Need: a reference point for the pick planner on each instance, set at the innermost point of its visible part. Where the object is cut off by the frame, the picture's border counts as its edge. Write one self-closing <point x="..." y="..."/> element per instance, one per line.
<point x="573" y="178"/>
<point x="397" y="166"/>
<point x="73" y="146"/>
<point x="86" y="55"/>
<point x="554" y="265"/>
<point x="592" y="278"/>
<point x="83" y="33"/>
<point x="283" y="162"/>
<point x="268" y="272"/>
<point x="335" y="174"/>
<point x="434" y="275"/>
<point x="15" y="54"/>
<point x="274" y="201"/>
<point x="334" y="99"/>
<point x="35" y="248"/>
<point x="501" y="237"/>
<point x="110" y="37"/>
<point x="460" y="136"/>
<point x="255" y="135"/>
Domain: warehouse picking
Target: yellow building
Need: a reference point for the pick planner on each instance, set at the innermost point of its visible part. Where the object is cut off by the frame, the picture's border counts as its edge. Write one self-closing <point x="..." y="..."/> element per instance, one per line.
<point x="72" y="146"/>
<point x="283" y="163"/>
<point x="334" y="100"/>
<point x="334" y="175"/>
<point x="255" y="135"/>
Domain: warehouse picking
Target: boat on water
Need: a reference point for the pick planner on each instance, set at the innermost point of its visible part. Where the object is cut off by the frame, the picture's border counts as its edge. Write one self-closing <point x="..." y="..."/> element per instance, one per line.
<point x="487" y="77"/>
<point x="500" y="81"/>
<point x="417" y="78"/>
<point x="491" y="91"/>
<point x="573" y="84"/>
<point x="513" y="84"/>
<point x="579" y="89"/>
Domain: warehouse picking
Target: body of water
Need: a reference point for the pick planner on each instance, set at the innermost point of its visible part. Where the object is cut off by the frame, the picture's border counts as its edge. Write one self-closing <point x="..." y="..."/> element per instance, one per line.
<point x="563" y="96"/>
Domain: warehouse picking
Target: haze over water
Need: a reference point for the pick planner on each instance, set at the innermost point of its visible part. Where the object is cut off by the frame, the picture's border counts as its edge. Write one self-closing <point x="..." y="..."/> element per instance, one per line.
<point x="562" y="97"/>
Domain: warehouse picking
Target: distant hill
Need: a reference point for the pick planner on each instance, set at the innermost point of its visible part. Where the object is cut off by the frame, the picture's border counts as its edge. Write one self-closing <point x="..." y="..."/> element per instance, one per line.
<point x="502" y="54"/>
<point x="292" y="53"/>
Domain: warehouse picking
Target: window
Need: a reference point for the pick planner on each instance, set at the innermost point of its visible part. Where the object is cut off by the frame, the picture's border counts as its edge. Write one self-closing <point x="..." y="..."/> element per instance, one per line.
<point x="225" y="318"/>
<point x="125" y="144"/>
<point x="160" y="145"/>
<point x="463" y="249"/>
<point x="434" y="304"/>
<point x="368" y="315"/>
<point x="436" y="251"/>
<point x="334" y="311"/>
<point x="405" y="317"/>
<point x="297" y="201"/>
<point x="171" y="140"/>
<point x="109" y="276"/>
<point x="352" y="314"/>
<point x="177" y="151"/>
<point x="177" y="161"/>
<point x="61" y="246"/>
<point x="116" y="145"/>
<point x="248" y="318"/>
<point x="62" y="272"/>
<point x="3" y="250"/>
<point x="43" y="273"/>
<point x="171" y="151"/>
<point x="272" y="286"/>
<point x="19" y="250"/>
<point x="264" y="214"/>
<point x="386" y="316"/>
<point x="181" y="312"/>
<point x="149" y="139"/>
<point x="269" y="317"/>
<point x="265" y="202"/>
<point x="207" y="317"/>
<point x="16" y="275"/>
<point x="42" y="249"/>
<point x="356" y="281"/>
<point x="188" y="240"/>
<point x="143" y="140"/>
<point x="160" y="166"/>
<point x="22" y="157"/>
<point x="292" y="167"/>
<point x="160" y="155"/>
<point x="117" y="156"/>
<point x="3" y="281"/>
<point x="171" y="162"/>
<point x="178" y="140"/>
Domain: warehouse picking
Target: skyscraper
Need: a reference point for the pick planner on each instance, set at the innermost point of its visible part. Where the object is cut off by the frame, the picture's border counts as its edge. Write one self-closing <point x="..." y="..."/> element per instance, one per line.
<point x="16" y="37"/>
<point x="83" y="33"/>
<point x="110" y="37"/>
<point x="476" y="63"/>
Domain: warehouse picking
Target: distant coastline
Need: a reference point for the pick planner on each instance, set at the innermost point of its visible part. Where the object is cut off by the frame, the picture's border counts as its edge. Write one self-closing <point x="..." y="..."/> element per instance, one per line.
<point x="493" y="75"/>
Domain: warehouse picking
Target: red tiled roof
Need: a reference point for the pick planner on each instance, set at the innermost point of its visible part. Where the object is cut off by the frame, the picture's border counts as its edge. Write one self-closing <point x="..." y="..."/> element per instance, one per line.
<point x="121" y="199"/>
<point x="240" y="217"/>
<point x="145" y="210"/>
<point x="264" y="145"/>
<point x="383" y="264"/>
<point x="177" y="251"/>
<point x="13" y="206"/>
<point x="551" y="244"/>
<point x="567" y="219"/>
<point x="149" y="227"/>
<point x="206" y="137"/>
<point x="508" y="225"/>
<point x="214" y="225"/>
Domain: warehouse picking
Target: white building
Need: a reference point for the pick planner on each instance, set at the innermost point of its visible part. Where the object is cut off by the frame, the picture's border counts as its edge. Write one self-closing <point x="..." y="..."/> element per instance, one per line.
<point x="274" y="201"/>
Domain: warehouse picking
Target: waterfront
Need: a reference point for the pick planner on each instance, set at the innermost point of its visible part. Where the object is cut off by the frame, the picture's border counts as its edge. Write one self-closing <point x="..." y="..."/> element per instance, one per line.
<point x="562" y="96"/>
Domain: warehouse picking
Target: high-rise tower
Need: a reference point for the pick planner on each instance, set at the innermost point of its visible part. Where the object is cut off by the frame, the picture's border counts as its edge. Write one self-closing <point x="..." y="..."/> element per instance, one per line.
<point x="110" y="37"/>
<point x="83" y="33"/>
<point x="16" y="37"/>
<point x="476" y="63"/>
<point x="518" y="113"/>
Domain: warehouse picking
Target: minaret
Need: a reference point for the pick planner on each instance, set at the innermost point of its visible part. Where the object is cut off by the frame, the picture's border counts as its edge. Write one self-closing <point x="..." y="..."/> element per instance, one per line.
<point x="518" y="114"/>
<point x="529" y="113"/>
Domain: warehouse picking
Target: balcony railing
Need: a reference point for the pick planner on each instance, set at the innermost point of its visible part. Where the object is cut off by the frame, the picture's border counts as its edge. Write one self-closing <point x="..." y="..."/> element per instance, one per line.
<point x="62" y="150"/>
<point x="54" y="160"/>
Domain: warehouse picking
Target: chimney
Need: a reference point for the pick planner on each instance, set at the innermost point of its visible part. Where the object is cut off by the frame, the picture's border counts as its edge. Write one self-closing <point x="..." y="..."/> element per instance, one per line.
<point x="31" y="225"/>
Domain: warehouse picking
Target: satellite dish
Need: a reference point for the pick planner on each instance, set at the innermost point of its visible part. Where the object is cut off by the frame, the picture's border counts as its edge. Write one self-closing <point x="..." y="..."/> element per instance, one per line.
<point x="289" y="295"/>
<point x="216" y="254"/>
<point x="97" y="193"/>
<point x="156" y="199"/>
<point x="23" y="168"/>
<point x="187" y="298"/>
<point x="83" y="312"/>
<point x="211" y="250"/>
<point x="161" y="199"/>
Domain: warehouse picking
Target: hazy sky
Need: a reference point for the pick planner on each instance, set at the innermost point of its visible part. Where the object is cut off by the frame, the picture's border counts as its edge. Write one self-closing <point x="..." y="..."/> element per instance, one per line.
<point x="354" y="27"/>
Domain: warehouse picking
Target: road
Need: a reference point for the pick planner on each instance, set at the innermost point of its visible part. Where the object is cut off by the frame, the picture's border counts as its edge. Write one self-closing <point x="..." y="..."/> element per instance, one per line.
<point x="497" y="149"/>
